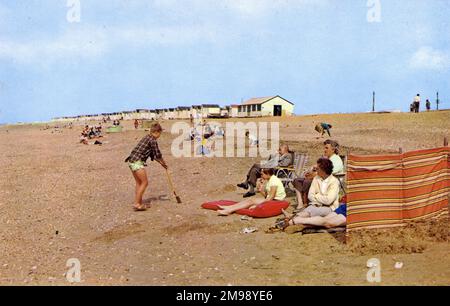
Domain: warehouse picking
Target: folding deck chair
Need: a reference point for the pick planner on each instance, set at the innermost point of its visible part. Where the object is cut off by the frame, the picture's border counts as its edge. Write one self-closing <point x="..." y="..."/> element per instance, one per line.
<point x="288" y="174"/>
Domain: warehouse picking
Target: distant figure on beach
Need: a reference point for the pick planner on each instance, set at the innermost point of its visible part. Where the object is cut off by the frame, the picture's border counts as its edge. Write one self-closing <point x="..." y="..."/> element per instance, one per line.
<point x="146" y="148"/>
<point x="323" y="127"/>
<point x="417" y="103"/>
<point x="428" y="105"/>
<point x="136" y="124"/>
<point x="84" y="135"/>
<point x="253" y="140"/>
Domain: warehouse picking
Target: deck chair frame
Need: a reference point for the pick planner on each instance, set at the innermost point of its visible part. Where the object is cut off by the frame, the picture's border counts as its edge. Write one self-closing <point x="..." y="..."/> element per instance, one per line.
<point x="288" y="174"/>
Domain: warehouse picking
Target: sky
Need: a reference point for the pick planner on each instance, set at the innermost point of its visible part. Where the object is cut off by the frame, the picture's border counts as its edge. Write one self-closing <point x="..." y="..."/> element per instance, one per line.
<point x="71" y="57"/>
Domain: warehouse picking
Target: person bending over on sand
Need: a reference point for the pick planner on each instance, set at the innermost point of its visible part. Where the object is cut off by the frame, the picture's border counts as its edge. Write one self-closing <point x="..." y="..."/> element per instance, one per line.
<point x="271" y="188"/>
<point x="147" y="147"/>
<point x="323" y="127"/>
<point x="282" y="159"/>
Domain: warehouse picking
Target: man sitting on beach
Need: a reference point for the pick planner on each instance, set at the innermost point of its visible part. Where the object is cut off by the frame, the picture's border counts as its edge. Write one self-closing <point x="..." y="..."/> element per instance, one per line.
<point x="282" y="159"/>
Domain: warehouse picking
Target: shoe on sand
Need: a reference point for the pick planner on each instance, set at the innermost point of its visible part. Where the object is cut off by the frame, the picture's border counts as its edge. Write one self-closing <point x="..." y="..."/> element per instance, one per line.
<point x="249" y="194"/>
<point x="243" y="186"/>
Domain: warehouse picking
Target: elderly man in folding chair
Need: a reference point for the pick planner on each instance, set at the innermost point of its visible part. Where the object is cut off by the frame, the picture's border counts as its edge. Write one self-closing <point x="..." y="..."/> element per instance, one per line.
<point x="284" y="158"/>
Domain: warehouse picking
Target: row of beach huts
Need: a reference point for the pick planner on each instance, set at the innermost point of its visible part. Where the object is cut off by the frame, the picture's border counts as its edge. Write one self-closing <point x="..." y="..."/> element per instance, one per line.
<point x="255" y="107"/>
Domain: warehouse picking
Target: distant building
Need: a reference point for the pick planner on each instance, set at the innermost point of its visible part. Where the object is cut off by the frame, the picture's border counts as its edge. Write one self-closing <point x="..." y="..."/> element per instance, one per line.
<point x="225" y="112"/>
<point x="210" y="111"/>
<point x="275" y="106"/>
<point x="256" y="107"/>
<point x="183" y="112"/>
<point x="233" y="110"/>
<point x="196" y="111"/>
<point x="144" y="114"/>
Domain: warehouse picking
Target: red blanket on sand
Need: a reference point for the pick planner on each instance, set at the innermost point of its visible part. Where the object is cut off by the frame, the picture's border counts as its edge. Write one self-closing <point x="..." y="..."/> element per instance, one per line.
<point x="264" y="210"/>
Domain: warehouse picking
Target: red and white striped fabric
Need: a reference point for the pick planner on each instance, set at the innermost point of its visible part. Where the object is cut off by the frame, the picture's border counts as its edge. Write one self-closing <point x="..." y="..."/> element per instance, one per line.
<point x="390" y="190"/>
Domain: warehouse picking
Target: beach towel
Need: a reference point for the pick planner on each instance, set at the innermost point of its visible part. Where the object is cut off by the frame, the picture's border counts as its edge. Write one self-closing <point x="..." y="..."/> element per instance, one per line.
<point x="265" y="210"/>
<point x="114" y="129"/>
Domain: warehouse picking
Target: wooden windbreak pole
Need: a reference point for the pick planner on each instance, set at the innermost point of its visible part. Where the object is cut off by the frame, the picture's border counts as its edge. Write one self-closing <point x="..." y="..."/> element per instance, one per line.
<point x="347" y="234"/>
<point x="445" y="141"/>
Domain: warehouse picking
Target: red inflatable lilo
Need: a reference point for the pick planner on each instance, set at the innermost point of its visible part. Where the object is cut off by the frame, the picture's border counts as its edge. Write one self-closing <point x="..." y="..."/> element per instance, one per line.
<point x="265" y="210"/>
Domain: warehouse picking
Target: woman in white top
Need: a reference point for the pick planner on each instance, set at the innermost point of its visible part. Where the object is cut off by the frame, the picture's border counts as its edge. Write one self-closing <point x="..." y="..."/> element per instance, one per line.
<point x="271" y="189"/>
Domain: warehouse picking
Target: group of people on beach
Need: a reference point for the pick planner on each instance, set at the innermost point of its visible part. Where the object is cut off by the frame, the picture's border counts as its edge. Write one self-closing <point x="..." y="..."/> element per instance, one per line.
<point x="318" y="190"/>
<point x="203" y="133"/>
<point x="415" y="105"/>
<point x="90" y="132"/>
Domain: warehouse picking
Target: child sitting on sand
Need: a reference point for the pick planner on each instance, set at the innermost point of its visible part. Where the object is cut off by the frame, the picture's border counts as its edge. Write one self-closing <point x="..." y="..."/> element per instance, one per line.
<point x="147" y="147"/>
<point x="271" y="188"/>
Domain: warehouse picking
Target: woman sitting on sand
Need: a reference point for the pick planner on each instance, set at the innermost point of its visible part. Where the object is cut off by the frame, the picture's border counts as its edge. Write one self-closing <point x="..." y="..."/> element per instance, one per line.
<point x="271" y="188"/>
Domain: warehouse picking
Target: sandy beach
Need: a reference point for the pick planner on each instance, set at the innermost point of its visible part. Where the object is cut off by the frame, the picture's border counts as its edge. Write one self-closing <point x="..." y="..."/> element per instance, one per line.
<point x="60" y="199"/>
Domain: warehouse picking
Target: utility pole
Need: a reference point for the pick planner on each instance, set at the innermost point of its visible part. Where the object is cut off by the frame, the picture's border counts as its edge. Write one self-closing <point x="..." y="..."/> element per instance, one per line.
<point x="373" y="102"/>
<point x="437" y="100"/>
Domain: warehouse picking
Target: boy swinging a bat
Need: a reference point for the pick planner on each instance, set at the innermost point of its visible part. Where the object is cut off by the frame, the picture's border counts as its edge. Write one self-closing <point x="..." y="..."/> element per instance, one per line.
<point x="147" y="147"/>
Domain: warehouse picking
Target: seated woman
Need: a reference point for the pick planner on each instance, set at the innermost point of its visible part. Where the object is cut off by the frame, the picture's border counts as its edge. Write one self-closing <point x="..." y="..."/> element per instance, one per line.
<point x="334" y="219"/>
<point x="324" y="200"/>
<point x="302" y="185"/>
<point x="273" y="189"/>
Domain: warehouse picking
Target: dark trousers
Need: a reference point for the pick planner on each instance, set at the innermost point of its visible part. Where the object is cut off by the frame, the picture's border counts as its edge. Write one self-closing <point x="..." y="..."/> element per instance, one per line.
<point x="254" y="174"/>
<point x="303" y="185"/>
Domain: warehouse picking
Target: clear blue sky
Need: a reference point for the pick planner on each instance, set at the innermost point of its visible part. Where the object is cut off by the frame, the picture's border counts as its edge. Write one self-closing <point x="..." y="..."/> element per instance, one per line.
<point x="323" y="55"/>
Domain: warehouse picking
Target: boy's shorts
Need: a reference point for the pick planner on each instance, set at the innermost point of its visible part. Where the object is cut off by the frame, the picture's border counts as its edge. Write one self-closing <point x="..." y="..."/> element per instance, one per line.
<point x="136" y="166"/>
